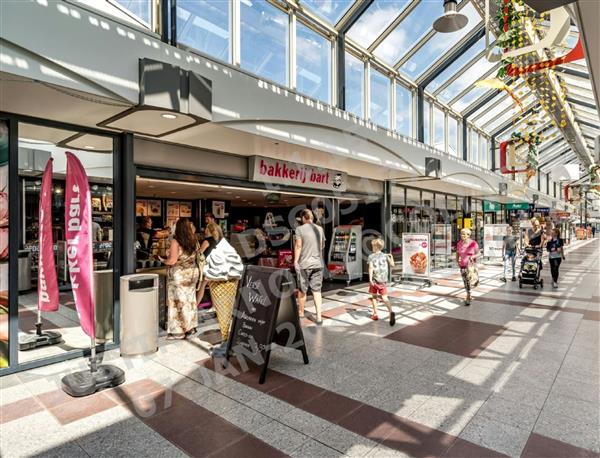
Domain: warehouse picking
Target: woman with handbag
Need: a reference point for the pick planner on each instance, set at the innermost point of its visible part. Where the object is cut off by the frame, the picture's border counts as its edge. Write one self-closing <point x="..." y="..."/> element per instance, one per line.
<point x="182" y="279"/>
<point x="467" y="251"/>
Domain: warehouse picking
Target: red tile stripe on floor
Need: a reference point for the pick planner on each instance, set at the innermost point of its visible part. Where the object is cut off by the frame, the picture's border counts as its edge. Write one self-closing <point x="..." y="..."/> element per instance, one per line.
<point x="19" y="409"/>
<point x="194" y="429"/>
<point x="543" y="447"/>
<point x="393" y="431"/>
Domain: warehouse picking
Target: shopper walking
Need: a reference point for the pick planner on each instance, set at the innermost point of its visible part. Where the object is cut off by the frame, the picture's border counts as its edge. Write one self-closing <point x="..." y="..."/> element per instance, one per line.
<point x="308" y="262"/>
<point x="467" y="251"/>
<point x="182" y="278"/>
<point x="555" y="255"/>
<point x="510" y="244"/>
<point x="379" y="272"/>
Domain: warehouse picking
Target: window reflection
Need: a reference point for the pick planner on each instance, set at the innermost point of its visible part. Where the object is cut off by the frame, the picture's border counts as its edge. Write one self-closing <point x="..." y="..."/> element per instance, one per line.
<point x="452" y="136"/>
<point x="142" y="9"/>
<point x="438" y="129"/>
<point x="331" y="10"/>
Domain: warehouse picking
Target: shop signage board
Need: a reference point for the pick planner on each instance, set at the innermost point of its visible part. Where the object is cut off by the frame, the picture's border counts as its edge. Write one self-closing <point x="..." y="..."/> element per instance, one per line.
<point x="278" y="172"/>
<point x="265" y="312"/>
<point x="517" y="206"/>
<point x="416" y="257"/>
<point x="544" y="211"/>
<point x="489" y="206"/>
<point x="493" y="239"/>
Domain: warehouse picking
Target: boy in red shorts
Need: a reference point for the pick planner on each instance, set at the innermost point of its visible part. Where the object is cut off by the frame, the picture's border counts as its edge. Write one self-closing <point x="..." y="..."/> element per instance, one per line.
<point x="379" y="270"/>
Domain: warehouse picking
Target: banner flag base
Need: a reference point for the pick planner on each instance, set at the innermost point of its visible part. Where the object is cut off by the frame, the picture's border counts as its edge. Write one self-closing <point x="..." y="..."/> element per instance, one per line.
<point x="84" y="383"/>
<point x="39" y="339"/>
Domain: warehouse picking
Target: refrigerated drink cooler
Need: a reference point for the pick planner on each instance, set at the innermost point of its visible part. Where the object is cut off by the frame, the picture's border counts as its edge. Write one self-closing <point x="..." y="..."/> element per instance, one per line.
<point x="345" y="254"/>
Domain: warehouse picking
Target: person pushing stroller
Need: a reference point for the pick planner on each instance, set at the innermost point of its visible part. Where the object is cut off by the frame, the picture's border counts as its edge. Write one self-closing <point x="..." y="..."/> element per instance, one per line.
<point x="531" y="263"/>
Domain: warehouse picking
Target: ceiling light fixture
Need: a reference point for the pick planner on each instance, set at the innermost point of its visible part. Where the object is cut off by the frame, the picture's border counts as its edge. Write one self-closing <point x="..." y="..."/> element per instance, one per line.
<point x="89" y="147"/>
<point x="169" y="116"/>
<point x="451" y="20"/>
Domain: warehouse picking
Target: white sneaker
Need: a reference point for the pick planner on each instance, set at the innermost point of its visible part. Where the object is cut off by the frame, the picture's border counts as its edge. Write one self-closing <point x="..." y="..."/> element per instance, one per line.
<point x="554" y="284"/>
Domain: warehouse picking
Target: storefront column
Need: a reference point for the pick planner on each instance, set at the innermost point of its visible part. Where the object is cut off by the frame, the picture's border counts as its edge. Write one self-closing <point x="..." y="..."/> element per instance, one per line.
<point x="14" y="203"/>
<point x="126" y="180"/>
<point x="386" y="215"/>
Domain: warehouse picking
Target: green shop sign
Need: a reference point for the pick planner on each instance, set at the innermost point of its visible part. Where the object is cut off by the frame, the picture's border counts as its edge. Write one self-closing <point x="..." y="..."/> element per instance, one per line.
<point x="519" y="206"/>
<point x="491" y="206"/>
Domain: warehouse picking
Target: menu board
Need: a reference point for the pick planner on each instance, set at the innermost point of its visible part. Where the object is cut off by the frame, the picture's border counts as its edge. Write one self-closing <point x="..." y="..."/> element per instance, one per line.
<point x="154" y="207"/>
<point x="185" y="209"/>
<point x="218" y="209"/>
<point x="172" y="209"/>
<point x="141" y="208"/>
<point x="493" y="239"/>
<point x="264" y="312"/>
<point x="416" y="255"/>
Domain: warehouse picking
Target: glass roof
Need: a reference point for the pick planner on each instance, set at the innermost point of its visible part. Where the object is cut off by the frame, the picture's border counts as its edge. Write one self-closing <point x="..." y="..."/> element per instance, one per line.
<point x="375" y="20"/>
<point x="400" y="34"/>
<point x="330" y="10"/>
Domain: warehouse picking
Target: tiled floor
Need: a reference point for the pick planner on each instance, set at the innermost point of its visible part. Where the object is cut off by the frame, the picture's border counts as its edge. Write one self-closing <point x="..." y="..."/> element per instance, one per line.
<point x="515" y="374"/>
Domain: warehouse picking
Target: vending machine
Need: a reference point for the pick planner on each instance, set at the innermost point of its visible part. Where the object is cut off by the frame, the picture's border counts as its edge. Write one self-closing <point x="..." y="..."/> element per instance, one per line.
<point x="345" y="254"/>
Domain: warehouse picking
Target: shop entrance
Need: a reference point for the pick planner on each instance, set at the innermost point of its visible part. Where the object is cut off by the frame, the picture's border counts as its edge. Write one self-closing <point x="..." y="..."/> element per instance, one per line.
<point x="259" y="223"/>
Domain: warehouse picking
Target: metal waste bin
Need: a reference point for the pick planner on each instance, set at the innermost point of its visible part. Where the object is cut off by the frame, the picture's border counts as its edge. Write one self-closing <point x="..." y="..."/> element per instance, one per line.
<point x="103" y="304"/>
<point x="139" y="314"/>
<point x="24" y="270"/>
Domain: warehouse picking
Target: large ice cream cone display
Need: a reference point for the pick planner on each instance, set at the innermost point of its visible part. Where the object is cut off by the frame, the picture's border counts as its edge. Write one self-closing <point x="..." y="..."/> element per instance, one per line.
<point x="223" y="270"/>
<point x="222" y="294"/>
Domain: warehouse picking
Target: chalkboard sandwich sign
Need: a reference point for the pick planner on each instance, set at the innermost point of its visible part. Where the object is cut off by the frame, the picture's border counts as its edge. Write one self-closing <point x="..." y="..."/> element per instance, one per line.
<point x="265" y="313"/>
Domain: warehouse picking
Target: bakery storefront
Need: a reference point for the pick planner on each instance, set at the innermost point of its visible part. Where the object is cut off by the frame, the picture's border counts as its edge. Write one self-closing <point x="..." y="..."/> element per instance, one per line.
<point x="257" y="212"/>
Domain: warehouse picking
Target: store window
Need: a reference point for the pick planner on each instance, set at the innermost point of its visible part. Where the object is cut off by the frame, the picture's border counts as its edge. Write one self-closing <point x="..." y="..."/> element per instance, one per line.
<point x="205" y="26"/>
<point x="452" y="136"/>
<point x="313" y="64"/>
<point x="438" y="129"/>
<point x="413" y="210"/>
<point x="427" y="122"/>
<point x="403" y="110"/>
<point x="4" y="273"/>
<point x="355" y="85"/>
<point x="264" y="41"/>
<point x="380" y="98"/>
<point x="38" y="145"/>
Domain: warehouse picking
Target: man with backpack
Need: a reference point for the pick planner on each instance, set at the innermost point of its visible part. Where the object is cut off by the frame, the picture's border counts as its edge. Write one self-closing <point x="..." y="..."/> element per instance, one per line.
<point x="308" y="262"/>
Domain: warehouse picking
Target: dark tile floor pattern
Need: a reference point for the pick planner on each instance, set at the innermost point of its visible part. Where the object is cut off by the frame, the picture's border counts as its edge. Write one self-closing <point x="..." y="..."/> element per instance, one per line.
<point x="451" y="335"/>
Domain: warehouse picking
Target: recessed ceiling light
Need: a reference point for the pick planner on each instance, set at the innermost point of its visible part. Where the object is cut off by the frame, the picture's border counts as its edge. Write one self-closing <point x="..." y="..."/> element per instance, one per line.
<point x="89" y="147"/>
<point x="169" y="116"/>
<point x="237" y="197"/>
<point x="151" y="186"/>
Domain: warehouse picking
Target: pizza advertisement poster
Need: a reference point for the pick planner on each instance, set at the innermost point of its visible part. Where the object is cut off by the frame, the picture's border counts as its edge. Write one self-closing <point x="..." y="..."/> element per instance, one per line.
<point x="416" y="257"/>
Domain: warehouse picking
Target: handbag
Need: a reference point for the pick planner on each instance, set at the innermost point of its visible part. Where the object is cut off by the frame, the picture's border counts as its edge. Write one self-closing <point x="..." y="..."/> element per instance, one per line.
<point x="473" y="275"/>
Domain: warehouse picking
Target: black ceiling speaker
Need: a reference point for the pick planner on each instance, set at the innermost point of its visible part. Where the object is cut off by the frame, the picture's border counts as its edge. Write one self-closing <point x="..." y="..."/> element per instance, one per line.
<point x="451" y="20"/>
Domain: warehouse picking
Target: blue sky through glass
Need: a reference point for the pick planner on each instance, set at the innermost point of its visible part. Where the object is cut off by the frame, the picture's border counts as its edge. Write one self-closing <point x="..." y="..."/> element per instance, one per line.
<point x="140" y="8"/>
<point x="355" y="77"/>
<point x="204" y="26"/>
<point x="330" y="10"/>
<point x="264" y="40"/>
<point x="408" y="32"/>
<point x="313" y="64"/>
<point x="438" y="44"/>
<point x="403" y="110"/>
<point x="380" y="99"/>
<point x="476" y="72"/>
<point x="375" y="20"/>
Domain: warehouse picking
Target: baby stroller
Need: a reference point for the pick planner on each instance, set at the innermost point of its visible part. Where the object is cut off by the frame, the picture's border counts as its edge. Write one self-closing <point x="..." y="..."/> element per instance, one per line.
<point x="531" y="267"/>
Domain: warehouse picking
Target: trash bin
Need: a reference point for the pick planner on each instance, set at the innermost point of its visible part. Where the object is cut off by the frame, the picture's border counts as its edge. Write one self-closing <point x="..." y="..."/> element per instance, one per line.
<point x="139" y="314"/>
<point x="104" y="304"/>
<point x="24" y="270"/>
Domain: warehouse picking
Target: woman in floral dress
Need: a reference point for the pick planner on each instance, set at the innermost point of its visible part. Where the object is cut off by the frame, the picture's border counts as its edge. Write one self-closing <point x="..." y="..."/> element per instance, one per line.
<point x="183" y="274"/>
